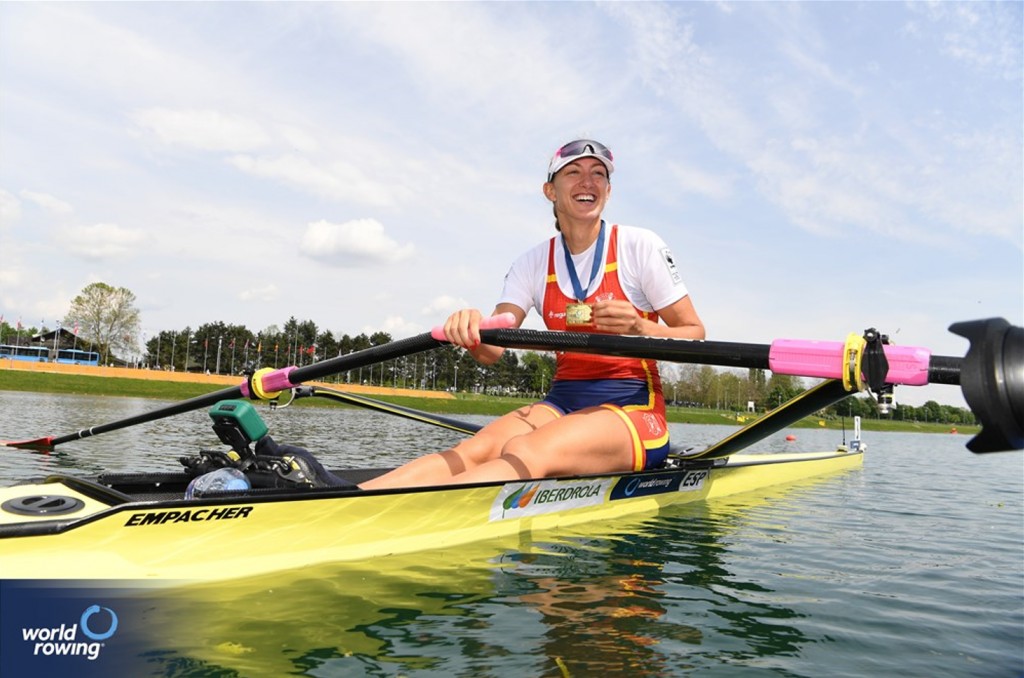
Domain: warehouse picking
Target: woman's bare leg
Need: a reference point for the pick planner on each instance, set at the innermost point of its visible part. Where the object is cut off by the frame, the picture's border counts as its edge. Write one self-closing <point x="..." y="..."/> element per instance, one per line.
<point x="594" y="440"/>
<point x="439" y="468"/>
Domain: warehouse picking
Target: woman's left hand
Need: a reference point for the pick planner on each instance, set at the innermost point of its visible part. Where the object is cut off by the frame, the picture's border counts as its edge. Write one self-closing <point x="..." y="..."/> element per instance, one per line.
<point x="617" y="316"/>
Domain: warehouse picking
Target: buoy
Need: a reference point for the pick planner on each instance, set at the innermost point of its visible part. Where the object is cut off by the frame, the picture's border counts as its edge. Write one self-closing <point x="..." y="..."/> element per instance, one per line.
<point x="790" y="438"/>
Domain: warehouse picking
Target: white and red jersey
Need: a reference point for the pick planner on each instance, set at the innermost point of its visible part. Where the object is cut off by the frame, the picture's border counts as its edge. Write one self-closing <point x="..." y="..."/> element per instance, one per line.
<point x="638" y="267"/>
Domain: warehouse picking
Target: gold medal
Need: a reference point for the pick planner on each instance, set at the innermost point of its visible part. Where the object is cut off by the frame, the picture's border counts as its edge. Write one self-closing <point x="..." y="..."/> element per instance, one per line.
<point x="578" y="314"/>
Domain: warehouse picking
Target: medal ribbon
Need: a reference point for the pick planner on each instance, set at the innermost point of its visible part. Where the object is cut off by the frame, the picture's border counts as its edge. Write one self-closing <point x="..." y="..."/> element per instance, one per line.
<point x="581" y="293"/>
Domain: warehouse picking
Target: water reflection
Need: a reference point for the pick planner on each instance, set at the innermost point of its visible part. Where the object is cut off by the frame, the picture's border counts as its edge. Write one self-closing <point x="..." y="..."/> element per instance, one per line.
<point x="581" y="603"/>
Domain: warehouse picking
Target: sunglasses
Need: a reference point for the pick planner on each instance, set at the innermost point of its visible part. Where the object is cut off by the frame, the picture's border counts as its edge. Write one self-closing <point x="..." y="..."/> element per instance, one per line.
<point x="580" y="148"/>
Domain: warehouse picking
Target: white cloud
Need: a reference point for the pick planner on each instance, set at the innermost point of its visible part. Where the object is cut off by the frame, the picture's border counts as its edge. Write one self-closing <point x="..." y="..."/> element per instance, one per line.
<point x="102" y="241"/>
<point x="693" y="179"/>
<point x="47" y="202"/>
<point x="985" y="37"/>
<point x="396" y="326"/>
<point x="337" y="180"/>
<point x="444" y="305"/>
<point x="10" y="208"/>
<point x="299" y="139"/>
<point x="361" y="242"/>
<point x="266" y="293"/>
<point x="204" y="130"/>
<point x="9" y="279"/>
<point x="476" y="59"/>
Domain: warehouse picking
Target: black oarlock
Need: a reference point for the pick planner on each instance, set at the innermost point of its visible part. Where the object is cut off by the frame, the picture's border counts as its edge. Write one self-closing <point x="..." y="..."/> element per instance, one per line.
<point x="992" y="380"/>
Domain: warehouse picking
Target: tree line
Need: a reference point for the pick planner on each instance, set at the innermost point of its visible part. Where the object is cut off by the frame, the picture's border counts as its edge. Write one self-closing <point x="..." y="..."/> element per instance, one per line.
<point x="107" y="318"/>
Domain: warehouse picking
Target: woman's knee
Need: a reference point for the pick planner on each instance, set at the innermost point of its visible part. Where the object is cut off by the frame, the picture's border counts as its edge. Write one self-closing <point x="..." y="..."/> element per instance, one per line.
<point x="478" y="449"/>
<point x="521" y="452"/>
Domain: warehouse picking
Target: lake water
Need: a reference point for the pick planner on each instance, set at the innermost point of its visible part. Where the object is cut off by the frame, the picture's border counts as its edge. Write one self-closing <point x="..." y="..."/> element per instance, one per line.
<point x="912" y="566"/>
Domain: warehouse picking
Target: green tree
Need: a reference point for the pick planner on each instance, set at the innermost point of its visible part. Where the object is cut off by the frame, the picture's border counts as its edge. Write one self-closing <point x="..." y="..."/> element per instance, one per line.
<point x="538" y="368"/>
<point x="107" y="317"/>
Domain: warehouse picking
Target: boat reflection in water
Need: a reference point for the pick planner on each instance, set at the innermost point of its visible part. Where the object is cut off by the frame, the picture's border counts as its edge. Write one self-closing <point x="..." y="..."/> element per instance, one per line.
<point x="623" y="595"/>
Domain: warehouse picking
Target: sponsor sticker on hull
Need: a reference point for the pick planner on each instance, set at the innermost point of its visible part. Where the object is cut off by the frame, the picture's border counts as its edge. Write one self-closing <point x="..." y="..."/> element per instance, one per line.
<point x="645" y="485"/>
<point x="533" y="498"/>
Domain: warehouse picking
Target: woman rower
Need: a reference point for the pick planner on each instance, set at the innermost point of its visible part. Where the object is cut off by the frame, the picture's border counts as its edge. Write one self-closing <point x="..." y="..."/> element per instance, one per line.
<point x="603" y="414"/>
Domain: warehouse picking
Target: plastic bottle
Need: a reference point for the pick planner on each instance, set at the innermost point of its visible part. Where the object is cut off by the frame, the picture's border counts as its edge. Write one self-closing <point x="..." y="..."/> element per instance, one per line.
<point x="221" y="480"/>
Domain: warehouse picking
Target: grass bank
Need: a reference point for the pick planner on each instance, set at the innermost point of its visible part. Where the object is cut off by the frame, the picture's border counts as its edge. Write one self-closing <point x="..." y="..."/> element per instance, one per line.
<point x="463" y="403"/>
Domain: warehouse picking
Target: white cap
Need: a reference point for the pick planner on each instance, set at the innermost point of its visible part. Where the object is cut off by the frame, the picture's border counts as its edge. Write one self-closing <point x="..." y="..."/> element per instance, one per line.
<point x="580" y="148"/>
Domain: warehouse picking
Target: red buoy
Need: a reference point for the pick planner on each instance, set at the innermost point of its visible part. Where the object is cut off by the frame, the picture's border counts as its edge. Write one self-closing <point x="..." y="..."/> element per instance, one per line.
<point x="790" y="438"/>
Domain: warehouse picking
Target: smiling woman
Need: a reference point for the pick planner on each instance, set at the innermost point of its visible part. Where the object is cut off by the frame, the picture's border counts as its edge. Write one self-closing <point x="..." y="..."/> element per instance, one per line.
<point x="602" y="414"/>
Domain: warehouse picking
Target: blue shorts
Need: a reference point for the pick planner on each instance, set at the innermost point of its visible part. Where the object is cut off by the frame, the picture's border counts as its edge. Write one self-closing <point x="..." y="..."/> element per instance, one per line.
<point x="641" y="409"/>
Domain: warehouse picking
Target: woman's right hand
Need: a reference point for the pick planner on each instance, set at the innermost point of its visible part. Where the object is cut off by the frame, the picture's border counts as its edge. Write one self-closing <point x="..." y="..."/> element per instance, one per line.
<point x="463" y="328"/>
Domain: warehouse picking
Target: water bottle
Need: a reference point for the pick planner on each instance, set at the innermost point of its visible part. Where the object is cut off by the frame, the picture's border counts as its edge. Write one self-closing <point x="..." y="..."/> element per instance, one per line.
<point x="221" y="480"/>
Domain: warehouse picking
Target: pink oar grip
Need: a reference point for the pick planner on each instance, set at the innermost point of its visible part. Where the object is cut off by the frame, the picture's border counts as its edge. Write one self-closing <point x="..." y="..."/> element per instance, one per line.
<point x="501" y="321"/>
<point x="279" y="380"/>
<point x="271" y="382"/>
<point x="805" y="358"/>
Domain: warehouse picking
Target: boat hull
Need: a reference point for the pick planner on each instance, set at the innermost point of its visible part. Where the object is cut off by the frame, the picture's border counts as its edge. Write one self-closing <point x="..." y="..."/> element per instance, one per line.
<point x="113" y="536"/>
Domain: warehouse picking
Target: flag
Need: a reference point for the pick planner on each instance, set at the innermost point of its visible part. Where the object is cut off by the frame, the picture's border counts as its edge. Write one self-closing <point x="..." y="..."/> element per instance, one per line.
<point x="19" y="324"/>
<point x="259" y="347"/>
<point x="206" y="343"/>
<point x="246" y="345"/>
<point x="232" y="344"/>
<point x="76" y="328"/>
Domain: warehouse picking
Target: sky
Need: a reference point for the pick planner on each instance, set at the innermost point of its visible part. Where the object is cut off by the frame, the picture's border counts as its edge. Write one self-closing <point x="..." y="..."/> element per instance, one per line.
<point x="816" y="168"/>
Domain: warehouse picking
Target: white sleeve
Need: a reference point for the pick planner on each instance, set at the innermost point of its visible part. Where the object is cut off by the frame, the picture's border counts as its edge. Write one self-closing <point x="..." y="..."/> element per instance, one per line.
<point x="649" y="276"/>
<point x="524" y="281"/>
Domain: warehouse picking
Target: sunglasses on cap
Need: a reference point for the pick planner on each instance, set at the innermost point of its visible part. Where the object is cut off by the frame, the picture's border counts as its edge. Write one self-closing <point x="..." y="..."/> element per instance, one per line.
<point x="581" y="148"/>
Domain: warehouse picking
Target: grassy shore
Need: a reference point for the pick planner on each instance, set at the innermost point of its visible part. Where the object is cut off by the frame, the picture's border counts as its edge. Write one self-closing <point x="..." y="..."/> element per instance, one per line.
<point x="463" y="403"/>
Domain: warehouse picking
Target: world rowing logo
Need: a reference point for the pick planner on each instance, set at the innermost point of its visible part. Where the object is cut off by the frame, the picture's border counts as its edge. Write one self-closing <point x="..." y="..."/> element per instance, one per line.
<point x="95" y="610"/>
<point x="97" y="624"/>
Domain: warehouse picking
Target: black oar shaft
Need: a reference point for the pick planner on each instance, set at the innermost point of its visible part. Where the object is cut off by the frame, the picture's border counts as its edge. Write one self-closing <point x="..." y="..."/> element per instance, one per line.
<point x="941" y="369"/>
<point x="353" y="361"/>
<point x="721" y="353"/>
<point x="169" y="411"/>
<point x="944" y="369"/>
<point x="390" y="408"/>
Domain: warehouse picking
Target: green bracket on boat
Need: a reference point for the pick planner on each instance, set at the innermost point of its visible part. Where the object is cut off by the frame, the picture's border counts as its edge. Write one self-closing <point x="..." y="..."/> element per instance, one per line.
<point x="237" y="424"/>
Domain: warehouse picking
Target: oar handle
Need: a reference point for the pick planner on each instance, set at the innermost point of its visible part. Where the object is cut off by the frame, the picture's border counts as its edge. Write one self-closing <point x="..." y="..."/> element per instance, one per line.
<point x="495" y="322"/>
<point x="268" y="383"/>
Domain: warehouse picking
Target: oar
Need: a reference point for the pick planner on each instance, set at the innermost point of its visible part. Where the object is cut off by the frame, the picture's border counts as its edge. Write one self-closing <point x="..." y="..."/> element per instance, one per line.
<point x="266" y="384"/>
<point x="991" y="375"/>
<point x="390" y="408"/>
<point x="828" y="392"/>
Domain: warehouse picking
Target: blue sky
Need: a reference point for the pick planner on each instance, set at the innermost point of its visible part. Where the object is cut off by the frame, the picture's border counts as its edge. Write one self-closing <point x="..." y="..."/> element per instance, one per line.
<point x="817" y="168"/>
